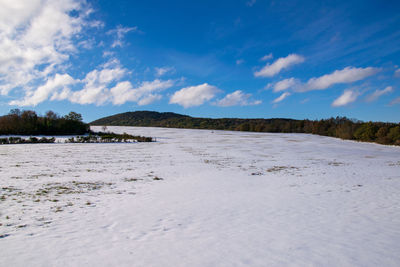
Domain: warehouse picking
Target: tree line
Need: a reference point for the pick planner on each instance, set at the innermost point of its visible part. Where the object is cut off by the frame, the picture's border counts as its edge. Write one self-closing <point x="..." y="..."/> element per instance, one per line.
<point x="341" y="127"/>
<point x="27" y="122"/>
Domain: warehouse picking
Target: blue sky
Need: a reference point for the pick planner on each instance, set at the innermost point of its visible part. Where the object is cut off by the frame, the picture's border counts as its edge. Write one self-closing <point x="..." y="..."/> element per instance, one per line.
<point x="249" y="59"/>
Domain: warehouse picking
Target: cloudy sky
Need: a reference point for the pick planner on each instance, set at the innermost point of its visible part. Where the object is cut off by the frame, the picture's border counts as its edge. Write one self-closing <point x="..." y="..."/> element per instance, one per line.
<point x="250" y="58"/>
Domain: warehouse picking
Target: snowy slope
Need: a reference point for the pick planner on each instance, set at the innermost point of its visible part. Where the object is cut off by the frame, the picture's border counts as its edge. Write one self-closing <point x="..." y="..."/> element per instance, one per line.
<point x="201" y="198"/>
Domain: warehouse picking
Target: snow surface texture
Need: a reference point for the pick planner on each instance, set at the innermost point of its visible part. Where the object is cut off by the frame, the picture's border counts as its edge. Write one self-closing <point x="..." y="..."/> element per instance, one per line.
<point x="201" y="198"/>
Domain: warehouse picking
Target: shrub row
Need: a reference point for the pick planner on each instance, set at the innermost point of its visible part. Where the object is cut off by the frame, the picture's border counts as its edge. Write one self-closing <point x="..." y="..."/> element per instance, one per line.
<point x="30" y="140"/>
<point x="100" y="137"/>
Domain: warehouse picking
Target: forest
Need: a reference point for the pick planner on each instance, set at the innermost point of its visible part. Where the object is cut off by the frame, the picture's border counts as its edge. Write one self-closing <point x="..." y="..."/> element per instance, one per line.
<point x="340" y="127"/>
<point x="27" y="122"/>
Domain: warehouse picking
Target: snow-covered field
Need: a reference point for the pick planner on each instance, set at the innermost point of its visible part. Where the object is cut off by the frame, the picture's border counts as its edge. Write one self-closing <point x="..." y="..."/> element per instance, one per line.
<point x="201" y="198"/>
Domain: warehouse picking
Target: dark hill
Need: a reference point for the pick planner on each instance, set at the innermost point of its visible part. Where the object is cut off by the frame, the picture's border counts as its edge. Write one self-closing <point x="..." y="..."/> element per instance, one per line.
<point x="379" y="132"/>
<point x="140" y="118"/>
<point x="174" y="120"/>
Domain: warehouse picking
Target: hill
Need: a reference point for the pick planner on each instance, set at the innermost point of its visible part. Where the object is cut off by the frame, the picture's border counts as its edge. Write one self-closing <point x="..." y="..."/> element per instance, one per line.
<point x="140" y="118"/>
<point x="174" y="120"/>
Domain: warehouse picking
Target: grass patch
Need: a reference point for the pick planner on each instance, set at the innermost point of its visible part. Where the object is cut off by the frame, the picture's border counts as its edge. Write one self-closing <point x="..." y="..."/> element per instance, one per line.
<point x="58" y="209"/>
<point x="132" y="179"/>
<point x="335" y="163"/>
<point x="281" y="168"/>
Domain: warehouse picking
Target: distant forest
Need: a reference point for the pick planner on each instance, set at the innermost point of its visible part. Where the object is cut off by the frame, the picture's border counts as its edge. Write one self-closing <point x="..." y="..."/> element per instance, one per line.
<point x="341" y="127"/>
<point x="27" y="122"/>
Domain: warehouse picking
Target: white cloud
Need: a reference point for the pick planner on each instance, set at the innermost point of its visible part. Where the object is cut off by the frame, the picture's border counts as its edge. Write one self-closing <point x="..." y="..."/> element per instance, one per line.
<point x="155" y="86"/>
<point x="281" y="97"/>
<point x="268" y="86"/>
<point x="346" y="75"/>
<point x="104" y="76"/>
<point x="111" y="63"/>
<point x="96" y="88"/>
<point x="286" y="84"/>
<point x="97" y="82"/>
<point x="346" y="98"/>
<point x="163" y="70"/>
<point x="61" y="95"/>
<point x="123" y="92"/>
<point x="87" y="44"/>
<point x="56" y="86"/>
<point x="108" y="53"/>
<point x="119" y="34"/>
<point x="378" y="93"/>
<point x="149" y="99"/>
<point x="270" y="70"/>
<point x="96" y="23"/>
<point x="237" y="98"/>
<point x="144" y="94"/>
<point x="397" y="73"/>
<point x="194" y="95"/>
<point x="267" y="57"/>
<point x="90" y="95"/>
<point x="36" y="39"/>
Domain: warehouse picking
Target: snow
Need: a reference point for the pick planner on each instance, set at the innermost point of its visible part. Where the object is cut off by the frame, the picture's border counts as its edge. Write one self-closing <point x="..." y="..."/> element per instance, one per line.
<point x="201" y="198"/>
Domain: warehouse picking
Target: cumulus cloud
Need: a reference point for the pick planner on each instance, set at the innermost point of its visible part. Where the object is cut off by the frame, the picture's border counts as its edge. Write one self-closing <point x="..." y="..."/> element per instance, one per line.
<point x="286" y="84"/>
<point x="237" y="98"/>
<point x="146" y="93"/>
<point x="346" y="98"/>
<point x="36" y="39"/>
<point x="378" y="93"/>
<point x="96" y="83"/>
<point x="156" y="85"/>
<point x="346" y="75"/>
<point x="119" y="34"/>
<point x="61" y="95"/>
<point x="56" y="86"/>
<point x="122" y="93"/>
<point x="149" y="99"/>
<point x="267" y="57"/>
<point x="281" y="97"/>
<point x="194" y="95"/>
<point x="103" y="85"/>
<point x="397" y="73"/>
<point x="98" y="93"/>
<point x="270" y="70"/>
